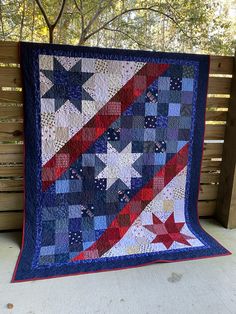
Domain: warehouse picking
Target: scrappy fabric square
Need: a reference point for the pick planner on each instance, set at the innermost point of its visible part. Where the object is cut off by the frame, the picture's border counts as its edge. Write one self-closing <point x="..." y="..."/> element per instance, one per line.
<point x="113" y="144"/>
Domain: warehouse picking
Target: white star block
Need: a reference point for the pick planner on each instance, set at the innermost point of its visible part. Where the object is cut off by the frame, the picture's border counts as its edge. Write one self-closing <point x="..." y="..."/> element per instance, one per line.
<point x="119" y="165"/>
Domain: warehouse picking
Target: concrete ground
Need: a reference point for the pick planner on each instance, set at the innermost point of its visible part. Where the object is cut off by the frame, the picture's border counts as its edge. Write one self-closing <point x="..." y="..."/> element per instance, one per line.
<point x="201" y="286"/>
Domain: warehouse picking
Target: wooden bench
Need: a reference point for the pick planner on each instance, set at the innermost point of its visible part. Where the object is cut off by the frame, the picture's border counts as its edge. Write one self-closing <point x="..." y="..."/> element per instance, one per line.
<point x="217" y="192"/>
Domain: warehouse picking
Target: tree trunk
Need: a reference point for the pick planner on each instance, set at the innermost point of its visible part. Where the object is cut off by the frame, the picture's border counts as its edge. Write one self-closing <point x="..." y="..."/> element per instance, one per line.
<point x="22" y="21"/>
<point x="51" y="31"/>
<point x="82" y="40"/>
<point x="33" y="23"/>
<point x="1" y="19"/>
<point x="51" y="26"/>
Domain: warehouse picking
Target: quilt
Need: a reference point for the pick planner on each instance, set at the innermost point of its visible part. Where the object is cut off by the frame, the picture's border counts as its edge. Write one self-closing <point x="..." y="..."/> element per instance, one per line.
<point x="113" y="148"/>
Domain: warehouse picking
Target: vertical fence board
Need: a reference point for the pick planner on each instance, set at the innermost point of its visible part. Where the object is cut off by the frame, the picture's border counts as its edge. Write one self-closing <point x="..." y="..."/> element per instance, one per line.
<point x="226" y="199"/>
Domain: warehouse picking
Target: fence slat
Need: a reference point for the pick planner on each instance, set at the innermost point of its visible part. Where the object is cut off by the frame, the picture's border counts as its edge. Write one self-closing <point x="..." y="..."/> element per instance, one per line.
<point x="11" y="171"/>
<point x="16" y="112"/>
<point x="226" y="202"/>
<point x="11" y="201"/>
<point x="11" y="220"/>
<point x="219" y="85"/>
<point x="216" y="115"/>
<point x="10" y="153"/>
<point x="214" y="132"/>
<point x="11" y="185"/>
<point x="206" y="208"/>
<point x="11" y="158"/>
<point x="11" y="97"/>
<point x="218" y="102"/>
<point x="10" y="77"/>
<point x="212" y="150"/>
<point x="11" y="131"/>
<point x="14" y="220"/>
<point x="14" y="131"/>
<point x="14" y="201"/>
<point x="209" y="165"/>
<point x="208" y="192"/>
<point x="17" y="97"/>
<point x="12" y="112"/>
<point x="221" y="65"/>
<point x="11" y="149"/>
<point x="17" y="185"/>
<point x="9" y="52"/>
<point x="218" y="64"/>
<point x="207" y="177"/>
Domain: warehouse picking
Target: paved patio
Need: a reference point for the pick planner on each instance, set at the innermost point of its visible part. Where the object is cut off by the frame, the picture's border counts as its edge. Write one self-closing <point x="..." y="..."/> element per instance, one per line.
<point x="201" y="286"/>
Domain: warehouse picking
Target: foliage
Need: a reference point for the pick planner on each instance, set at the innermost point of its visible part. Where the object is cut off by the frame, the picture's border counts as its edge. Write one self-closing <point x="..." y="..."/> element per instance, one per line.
<point x="167" y="25"/>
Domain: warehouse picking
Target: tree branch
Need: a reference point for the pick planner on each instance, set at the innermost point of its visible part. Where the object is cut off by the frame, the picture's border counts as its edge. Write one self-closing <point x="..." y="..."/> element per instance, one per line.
<point x="60" y="13"/>
<point x="151" y="8"/>
<point x="96" y="15"/>
<point x="43" y="12"/>
<point x="22" y="20"/>
<point x="172" y="9"/>
<point x="51" y="26"/>
<point x="92" y="20"/>
<point x="80" y="9"/>
<point x="130" y="37"/>
<point x="33" y="23"/>
<point x="1" y="18"/>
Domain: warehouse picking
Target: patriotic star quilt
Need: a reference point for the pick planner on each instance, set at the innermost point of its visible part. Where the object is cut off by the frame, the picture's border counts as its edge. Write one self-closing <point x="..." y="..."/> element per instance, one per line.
<point x="113" y="146"/>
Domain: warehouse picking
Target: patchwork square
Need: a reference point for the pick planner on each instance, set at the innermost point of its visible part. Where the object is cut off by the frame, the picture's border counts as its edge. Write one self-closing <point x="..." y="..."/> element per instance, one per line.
<point x="62" y="186"/>
<point x="100" y="222"/>
<point x="187" y="84"/>
<point x="176" y="83"/>
<point x="164" y="83"/>
<point x="150" y="122"/>
<point x="150" y="109"/>
<point x="174" y="109"/>
<point x="74" y="211"/>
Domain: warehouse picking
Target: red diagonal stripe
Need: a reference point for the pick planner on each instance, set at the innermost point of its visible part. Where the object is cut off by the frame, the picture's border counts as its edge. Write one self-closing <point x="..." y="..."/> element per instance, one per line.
<point x="133" y="209"/>
<point x="91" y="131"/>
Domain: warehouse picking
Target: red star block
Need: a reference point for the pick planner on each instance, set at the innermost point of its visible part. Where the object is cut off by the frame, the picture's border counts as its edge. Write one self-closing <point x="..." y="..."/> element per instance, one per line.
<point x="167" y="232"/>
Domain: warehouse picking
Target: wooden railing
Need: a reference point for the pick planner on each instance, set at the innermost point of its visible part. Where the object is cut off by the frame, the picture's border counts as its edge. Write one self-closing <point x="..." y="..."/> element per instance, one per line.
<point x="11" y="135"/>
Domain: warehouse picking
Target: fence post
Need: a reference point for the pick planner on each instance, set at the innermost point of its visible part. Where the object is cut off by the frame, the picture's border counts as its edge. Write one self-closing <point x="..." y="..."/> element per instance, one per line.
<point x="226" y="199"/>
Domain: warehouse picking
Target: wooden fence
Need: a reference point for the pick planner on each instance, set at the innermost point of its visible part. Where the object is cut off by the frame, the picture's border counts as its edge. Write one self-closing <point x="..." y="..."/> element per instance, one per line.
<point x="11" y="135"/>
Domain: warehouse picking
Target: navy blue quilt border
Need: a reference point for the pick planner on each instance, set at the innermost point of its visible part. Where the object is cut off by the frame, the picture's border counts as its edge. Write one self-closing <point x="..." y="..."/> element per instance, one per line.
<point x="24" y="270"/>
